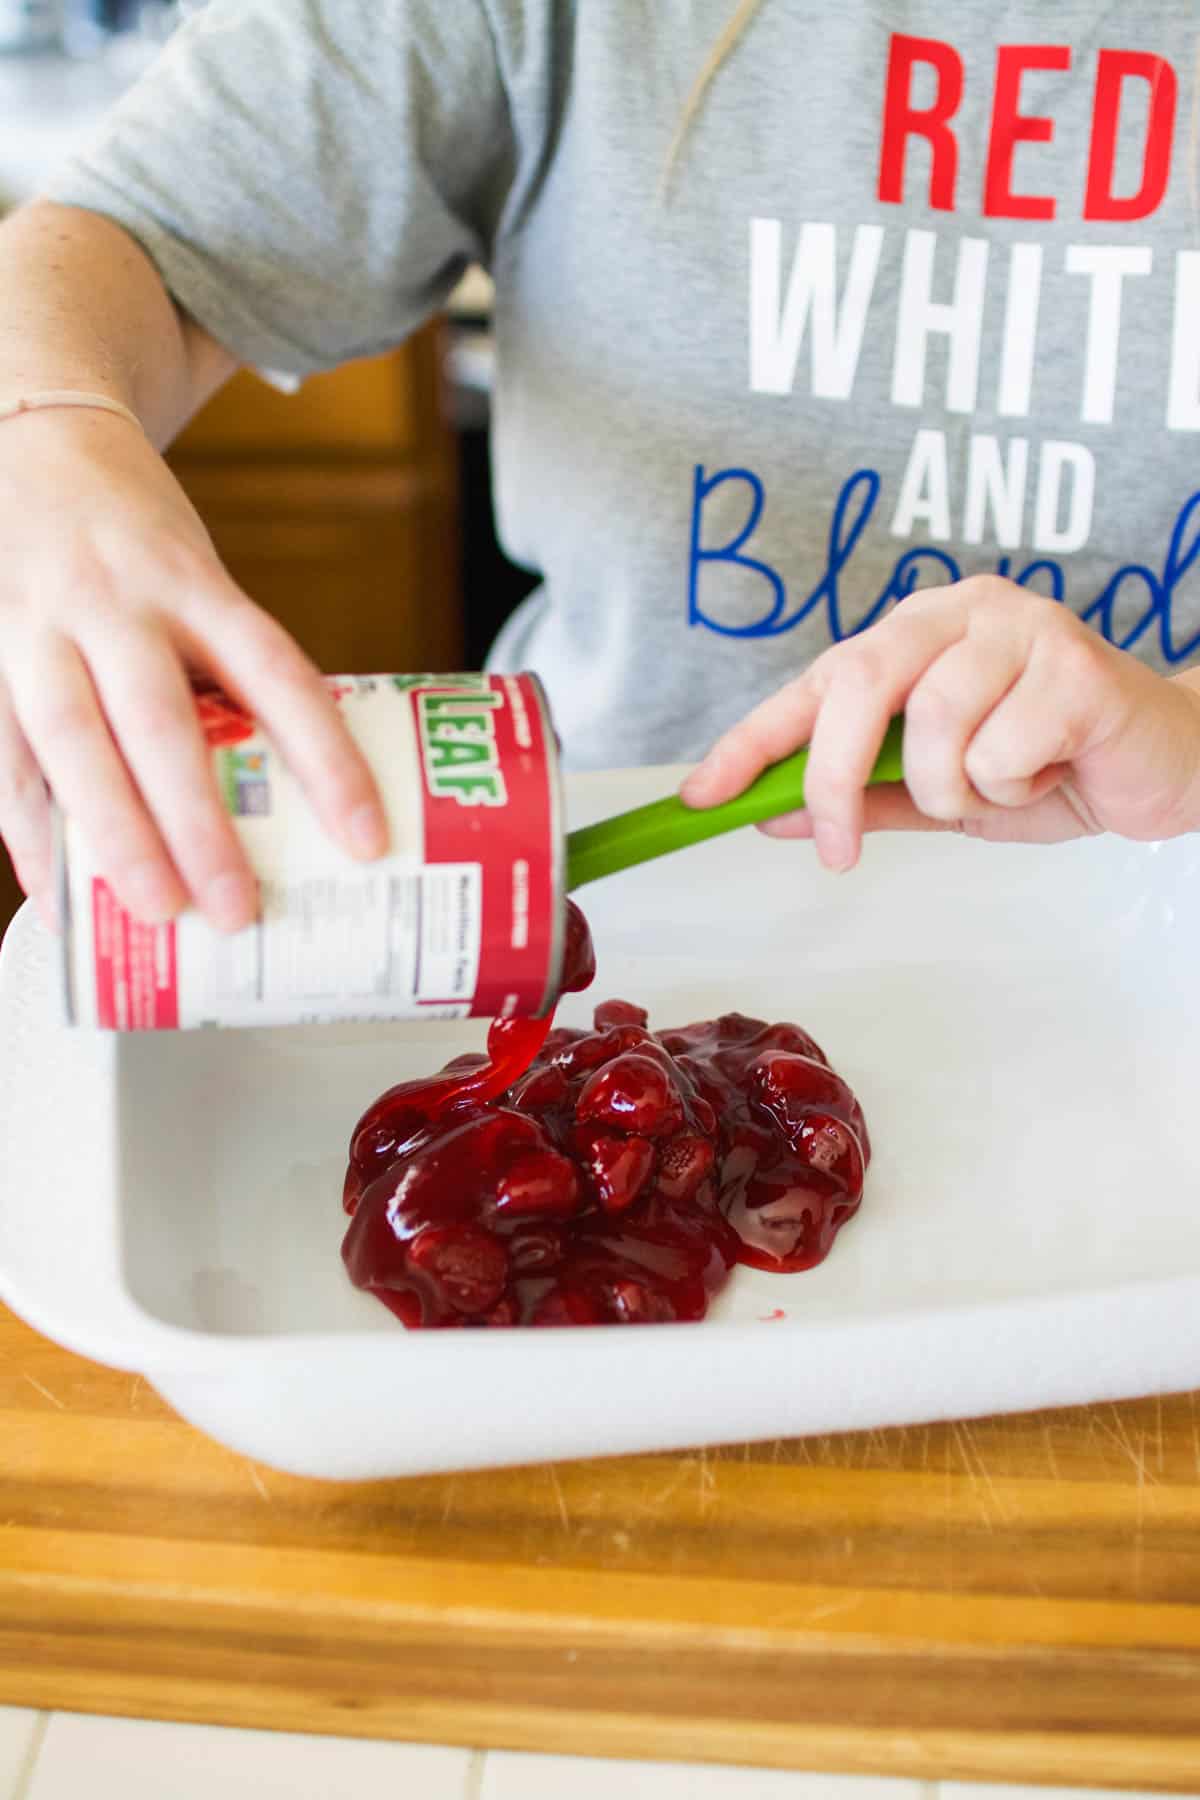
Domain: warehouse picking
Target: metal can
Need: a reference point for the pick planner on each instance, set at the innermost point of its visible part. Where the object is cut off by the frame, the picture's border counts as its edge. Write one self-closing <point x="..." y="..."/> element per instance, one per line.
<point x="463" y="918"/>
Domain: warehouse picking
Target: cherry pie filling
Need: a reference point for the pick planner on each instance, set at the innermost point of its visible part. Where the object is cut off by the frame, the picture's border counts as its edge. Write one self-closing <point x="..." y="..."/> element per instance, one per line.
<point x="611" y="1176"/>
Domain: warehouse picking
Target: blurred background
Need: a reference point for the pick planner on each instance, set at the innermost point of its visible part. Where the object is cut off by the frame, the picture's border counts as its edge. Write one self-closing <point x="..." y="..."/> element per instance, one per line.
<point x="358" y="510"/>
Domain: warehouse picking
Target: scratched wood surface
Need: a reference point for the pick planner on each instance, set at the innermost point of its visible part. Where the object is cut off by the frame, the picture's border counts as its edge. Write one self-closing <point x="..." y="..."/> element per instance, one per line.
<point x="1012" y="1600"/>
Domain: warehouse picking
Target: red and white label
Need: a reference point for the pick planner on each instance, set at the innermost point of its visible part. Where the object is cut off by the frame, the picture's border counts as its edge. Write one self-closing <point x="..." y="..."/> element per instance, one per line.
<point x="136" y="979"/>
<point x="459" y="919"/>
<point x="489" y="798"/>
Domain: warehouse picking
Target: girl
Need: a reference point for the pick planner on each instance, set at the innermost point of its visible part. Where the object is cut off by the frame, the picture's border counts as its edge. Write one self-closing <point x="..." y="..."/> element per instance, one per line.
<point x="859" y="345"/>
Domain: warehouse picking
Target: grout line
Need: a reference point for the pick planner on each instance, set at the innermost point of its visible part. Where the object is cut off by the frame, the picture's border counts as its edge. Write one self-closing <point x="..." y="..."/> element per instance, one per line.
<point x="30" y="1760"/>
<point x="472" y="1785"/>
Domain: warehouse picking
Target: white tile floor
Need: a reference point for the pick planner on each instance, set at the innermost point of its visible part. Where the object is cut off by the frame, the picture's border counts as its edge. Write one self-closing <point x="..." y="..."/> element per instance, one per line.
<point x="509" y="1777"/>
<point x="131" y="1759"/>
<point x="19" y="1735"/>
<point x="63" y="1756"/>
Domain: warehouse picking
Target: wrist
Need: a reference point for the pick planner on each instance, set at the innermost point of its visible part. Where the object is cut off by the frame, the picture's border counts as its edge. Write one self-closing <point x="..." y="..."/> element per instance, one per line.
<point x="43" y="440"/>
<point x="64" y="399"/>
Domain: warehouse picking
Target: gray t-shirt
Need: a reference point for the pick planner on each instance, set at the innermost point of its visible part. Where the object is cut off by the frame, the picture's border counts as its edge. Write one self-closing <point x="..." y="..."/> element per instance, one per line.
<point x="921" y="299"/>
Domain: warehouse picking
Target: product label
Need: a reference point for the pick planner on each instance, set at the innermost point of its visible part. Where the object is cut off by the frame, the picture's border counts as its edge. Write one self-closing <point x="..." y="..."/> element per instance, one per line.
<point x="459" y="752"/>
<point x="134" y="967"/>
<point x="460" y="918"/>
<point x="497" y="804"/>
<point x="243" y="775"/>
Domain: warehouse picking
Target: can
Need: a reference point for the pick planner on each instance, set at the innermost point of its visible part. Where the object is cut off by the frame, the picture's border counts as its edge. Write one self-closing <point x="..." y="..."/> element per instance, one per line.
<point x="464" y="917"/>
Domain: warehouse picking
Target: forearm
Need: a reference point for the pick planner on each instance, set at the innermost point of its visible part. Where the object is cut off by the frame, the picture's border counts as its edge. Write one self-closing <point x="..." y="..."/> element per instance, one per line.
<point x="82" y="306"/>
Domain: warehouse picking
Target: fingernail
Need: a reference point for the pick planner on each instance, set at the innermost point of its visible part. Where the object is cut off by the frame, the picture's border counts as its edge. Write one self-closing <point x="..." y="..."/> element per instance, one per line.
<point x="229" y="903"/>
<point x="833" y="846"/>
<point x="367" y="832"/>
<point x="151" y="893"/>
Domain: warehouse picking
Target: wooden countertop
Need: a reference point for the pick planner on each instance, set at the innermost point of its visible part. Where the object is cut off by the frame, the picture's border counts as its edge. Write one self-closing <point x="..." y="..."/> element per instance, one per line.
<point x="1011" y="1600"/>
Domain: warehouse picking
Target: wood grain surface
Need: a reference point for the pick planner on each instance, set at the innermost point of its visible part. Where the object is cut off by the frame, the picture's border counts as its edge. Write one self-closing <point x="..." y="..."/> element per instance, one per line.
<point x="1017" y="1599"/>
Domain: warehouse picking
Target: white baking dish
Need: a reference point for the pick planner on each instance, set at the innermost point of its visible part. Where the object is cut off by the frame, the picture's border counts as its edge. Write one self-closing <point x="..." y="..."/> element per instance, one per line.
<point x="1020" y="1024"/>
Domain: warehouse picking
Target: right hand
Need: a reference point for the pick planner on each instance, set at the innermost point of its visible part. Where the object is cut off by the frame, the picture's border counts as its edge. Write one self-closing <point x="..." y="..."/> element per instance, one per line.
<point x="112" y="597"/>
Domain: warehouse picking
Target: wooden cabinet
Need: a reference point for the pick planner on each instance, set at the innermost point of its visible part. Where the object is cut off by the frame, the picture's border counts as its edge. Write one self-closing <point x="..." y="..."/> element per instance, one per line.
<point x="337" y="510"/>
<point x="10" y="894"/>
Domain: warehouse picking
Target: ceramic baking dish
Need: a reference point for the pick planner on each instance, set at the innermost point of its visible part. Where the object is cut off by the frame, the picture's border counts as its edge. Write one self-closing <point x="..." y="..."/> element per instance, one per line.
<point x="1020" y="1025"/>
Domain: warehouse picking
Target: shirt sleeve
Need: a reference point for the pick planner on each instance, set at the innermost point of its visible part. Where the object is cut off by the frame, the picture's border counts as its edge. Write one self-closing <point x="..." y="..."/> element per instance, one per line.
<point x="310" y="177"/>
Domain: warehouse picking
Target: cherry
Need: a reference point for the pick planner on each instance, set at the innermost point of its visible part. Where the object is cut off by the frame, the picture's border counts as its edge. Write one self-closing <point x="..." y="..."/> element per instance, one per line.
<point x="579" y="955"/>
<point x="542" y="1185"/>
<point x="785" y="1224"/>
<point x="789" y="1037"/>
<point x="567" y="1305"/>
<point x="619" y="1012"/>
<point x="632" y="1093"/>
<point x="465" y="1267"/>
<point x="791" y="1086"/>
<point x="540" y="1090"/>
<point x="380" y="1136"/>
<point x="735" y="1027"/>
<point x="503" y="1313"/>
<point x="535" y="1249"/>
<point x="704" y="1115"/>
<point x="633" y="1303"/>
<point x="686" y="1163"/>
<point x="619" y="1169"/>
<point x="830" y="1145"/>
<point x="623" y="1038"/>
<point x="586" y="1051"/>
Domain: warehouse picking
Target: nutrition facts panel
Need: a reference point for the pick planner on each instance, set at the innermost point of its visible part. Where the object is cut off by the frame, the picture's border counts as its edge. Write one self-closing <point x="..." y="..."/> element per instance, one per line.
<point x="341" y="940"/>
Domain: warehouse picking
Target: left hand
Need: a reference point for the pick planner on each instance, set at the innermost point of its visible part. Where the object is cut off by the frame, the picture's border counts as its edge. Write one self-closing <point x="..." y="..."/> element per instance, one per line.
<point x="1021" y="725"/>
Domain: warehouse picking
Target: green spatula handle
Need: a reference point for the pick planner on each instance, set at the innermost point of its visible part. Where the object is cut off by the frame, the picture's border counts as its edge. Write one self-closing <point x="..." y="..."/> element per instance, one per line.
<point x="667" y="825"/>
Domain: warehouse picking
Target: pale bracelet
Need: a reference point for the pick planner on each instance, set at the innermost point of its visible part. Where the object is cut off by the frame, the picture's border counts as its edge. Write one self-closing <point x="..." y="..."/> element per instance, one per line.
<point x="10" y="409"/>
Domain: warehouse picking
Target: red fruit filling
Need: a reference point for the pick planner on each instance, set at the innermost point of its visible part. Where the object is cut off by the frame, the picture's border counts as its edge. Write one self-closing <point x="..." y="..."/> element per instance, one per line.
<point x="612" y="1176"/>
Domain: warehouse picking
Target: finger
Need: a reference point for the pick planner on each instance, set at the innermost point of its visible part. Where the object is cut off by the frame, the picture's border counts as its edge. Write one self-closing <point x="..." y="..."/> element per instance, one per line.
<point x="269" y="673"/>
<point x="774" y="729"/>
<point x="868" y="680"/>
<point x="25" y="815"/>
<point x="786" y="720"/>
<point x="944" y="711"/>
<point x="1020" y="751"/>
<point x="788" y="825"/>
<point x="888" y="807"/>
<point x="152" y="713"/>
<point x="57" y="709"/>
<point x="1051" y="820"/>
<point x="1057" y="817"/>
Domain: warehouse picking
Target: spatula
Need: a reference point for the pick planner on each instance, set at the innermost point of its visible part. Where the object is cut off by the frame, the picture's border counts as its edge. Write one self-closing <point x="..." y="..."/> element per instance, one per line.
<point x="667" y="825"/>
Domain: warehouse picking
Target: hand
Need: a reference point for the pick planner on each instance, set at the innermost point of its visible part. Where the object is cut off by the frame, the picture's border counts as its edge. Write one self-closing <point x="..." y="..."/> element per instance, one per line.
<point x="1021" y="725"/>
<point x="112" y="595"/>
